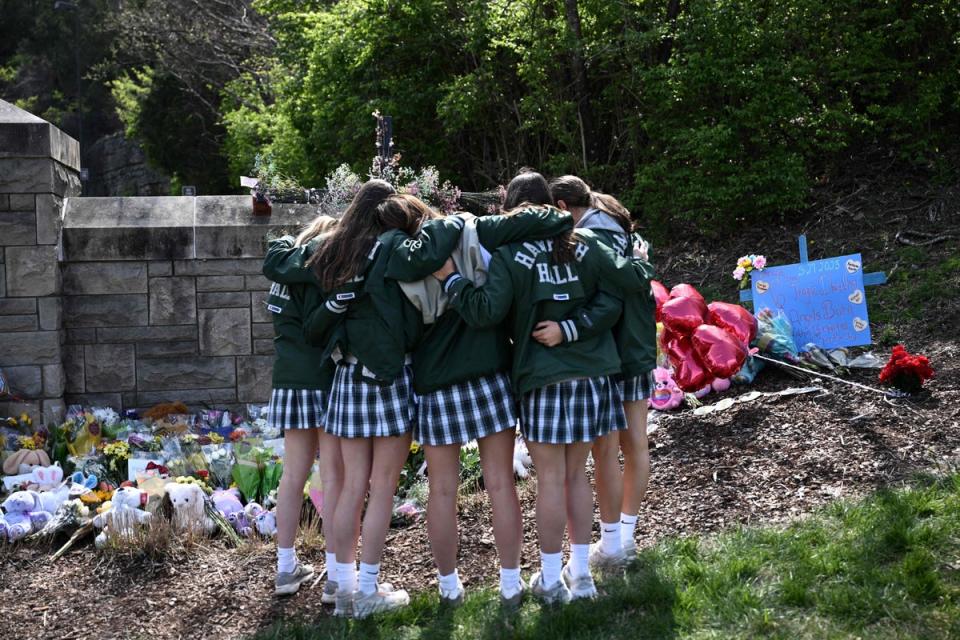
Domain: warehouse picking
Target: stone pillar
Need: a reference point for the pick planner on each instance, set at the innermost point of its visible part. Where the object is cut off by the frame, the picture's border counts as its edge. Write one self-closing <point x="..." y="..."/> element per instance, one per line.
<point x="39" y="167"/>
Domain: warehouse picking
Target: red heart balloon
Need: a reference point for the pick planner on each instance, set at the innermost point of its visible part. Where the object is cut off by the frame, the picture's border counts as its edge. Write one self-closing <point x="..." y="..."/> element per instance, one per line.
<point x="734" y="319"/>
<point x="686" y="291"/>
<point x="722" y="354"/>
<point x="683" y="315"/>
<point x="688" y="371"/>
<point x="660" y="294"/>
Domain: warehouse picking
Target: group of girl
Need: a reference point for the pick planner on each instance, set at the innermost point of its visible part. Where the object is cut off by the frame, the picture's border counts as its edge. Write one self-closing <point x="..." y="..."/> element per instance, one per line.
<point x="395" y="322"/>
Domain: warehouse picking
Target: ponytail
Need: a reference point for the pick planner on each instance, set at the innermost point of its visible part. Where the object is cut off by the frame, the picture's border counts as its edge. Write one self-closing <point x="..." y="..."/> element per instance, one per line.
<point x="576" y="193"/>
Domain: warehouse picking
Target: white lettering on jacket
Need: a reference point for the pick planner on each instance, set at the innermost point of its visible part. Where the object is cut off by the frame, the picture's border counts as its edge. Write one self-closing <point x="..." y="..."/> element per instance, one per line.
<point x="556" y="274"/>
<point x="279" y="290"/>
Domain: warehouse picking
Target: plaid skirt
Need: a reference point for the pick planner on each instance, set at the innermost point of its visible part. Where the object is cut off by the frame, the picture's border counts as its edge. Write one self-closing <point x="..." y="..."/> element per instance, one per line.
<point x="466" y="411"/>
<point x="637" y="388"/>
<point x="297" y="408"/>
<point x="580" y="410"/>
<point x="361" y="408"/>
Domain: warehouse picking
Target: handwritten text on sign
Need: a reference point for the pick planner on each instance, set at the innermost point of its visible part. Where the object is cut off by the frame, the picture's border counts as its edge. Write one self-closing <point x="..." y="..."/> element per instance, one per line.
<point x="823" y="299"/>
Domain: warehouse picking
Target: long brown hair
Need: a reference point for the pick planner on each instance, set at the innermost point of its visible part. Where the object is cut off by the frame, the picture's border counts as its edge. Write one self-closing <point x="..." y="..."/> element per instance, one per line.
<point x="577" y="193"/>
<point x="530" y="188"/>
<point x="320" y="225"/>
<point x="342" y="256"/>
<point x="405" y="212"/>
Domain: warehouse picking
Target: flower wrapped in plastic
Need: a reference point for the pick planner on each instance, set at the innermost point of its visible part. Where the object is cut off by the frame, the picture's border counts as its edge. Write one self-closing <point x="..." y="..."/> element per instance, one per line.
<point x="775" y="336"/>
<point x="219" y="459"/>
<point x="256" y="470"/>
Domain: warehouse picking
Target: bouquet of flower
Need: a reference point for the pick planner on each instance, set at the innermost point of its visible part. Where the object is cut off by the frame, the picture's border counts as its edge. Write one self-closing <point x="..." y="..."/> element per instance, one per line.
<point x="905" y="371"/>
<point x="256" y="471"/>
<point x="116" y="454"/>
<point x="219" y="462"/>
<point x="745" y="265"/>
<point x="413" y="469"/>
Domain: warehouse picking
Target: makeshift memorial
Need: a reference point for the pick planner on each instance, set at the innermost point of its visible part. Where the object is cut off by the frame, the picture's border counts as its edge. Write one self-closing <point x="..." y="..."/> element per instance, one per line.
<point x="122" y="518"/>
<point x="666" y="394"/>
<point x="747" y="265"/>
<point x="219" y="459"/>
<point x="683" y="314"/>
<point x="117" y="455"/>
<point x="256" y="471"/>
<point x="70" y="515"/>
<point x="189" y="512"/>
<point x="775" y="336"/>
<point x="905" y="371"/>
<point x="719" y="350"/>
<point x="227" y="502"/>
<point x="734" y="319"/>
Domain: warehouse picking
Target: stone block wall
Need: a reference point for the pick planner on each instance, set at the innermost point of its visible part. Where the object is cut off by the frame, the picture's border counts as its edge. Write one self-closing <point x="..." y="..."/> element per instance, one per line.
<point x="126" y="302"/>
<point x="39" y="167"/>
<point x="163" y="300"/>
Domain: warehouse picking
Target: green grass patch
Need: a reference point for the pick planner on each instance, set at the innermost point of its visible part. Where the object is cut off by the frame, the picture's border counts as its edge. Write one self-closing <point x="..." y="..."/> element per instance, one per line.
<point x="908" y="294"/>
<point x="884" y="567"/>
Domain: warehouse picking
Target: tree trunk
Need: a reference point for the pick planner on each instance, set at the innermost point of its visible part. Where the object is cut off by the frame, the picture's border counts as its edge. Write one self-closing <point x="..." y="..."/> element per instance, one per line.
<point x="580" y="87"/>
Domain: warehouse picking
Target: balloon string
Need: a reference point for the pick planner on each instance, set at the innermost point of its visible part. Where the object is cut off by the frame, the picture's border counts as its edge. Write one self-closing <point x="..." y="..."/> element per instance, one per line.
<point x="822" y="375"/>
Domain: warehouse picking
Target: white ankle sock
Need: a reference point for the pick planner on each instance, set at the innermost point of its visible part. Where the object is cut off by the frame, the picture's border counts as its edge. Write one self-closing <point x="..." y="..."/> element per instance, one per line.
<point x="550" y="566"/>
<point x="579" y="558"/>
<point x="286" y="560"/>
<point x="510" y="581"/>
<point x="627" y="524"/>
<point x="449" y="582"/>
<point x="331" y="566"/>
<point x="347" y="576"/>
<point x="368" y="577"/>
<point x="610" y="542"/>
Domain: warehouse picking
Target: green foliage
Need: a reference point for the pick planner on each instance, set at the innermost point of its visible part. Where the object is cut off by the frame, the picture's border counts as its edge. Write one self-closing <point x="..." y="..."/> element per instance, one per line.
<point x="880" y="568"/>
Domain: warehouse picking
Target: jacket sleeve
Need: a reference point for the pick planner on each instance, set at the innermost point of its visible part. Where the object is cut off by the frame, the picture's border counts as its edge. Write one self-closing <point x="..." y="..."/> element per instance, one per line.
<point x="589" y="320"/>
<point x="532" y="223"/>
<point x="484" y="306"/>
<point x="284" y="262"/>
<point x="328" y="311"/>
<point x="415" y="258"/>
<point x="629" y="275"/>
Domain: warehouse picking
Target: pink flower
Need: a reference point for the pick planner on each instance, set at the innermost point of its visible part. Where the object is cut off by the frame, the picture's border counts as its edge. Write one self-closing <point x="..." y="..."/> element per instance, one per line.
<point x="738" y="273"/>
<point x="759" y="263"/>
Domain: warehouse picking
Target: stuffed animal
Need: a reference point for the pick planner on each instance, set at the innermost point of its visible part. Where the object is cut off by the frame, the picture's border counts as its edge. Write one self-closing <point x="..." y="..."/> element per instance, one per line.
<point x="266" y="523"/>
<point x="189" y="513"/>
<point x="240" y="523"/>
<point x="720" y="384"/>
<point x="227" y="502"/>
<point x="47" y="478"/>
<point x="666" y="394"/>
<point x="23" y="514"/>
<point x="123" y="516"/>
<point x="521" y="459"/>
<point x="25" y="461"/>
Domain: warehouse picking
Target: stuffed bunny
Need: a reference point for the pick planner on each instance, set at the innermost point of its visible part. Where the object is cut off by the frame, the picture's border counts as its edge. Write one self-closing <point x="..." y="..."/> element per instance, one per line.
<point x="227" y="502"/>
<point x="47" y="478"/>
<point x="23" y="514"/>
<point x="521" y="459"/>
<point x="266" y="522"/>
<point x="189" y="512"/>
<point x="25" y="461"/>
<point x="123" y="516"/>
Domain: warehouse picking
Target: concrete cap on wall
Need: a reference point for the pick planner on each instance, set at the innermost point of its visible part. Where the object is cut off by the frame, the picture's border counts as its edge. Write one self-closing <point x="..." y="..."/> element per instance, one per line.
<point x="24" y="135"/>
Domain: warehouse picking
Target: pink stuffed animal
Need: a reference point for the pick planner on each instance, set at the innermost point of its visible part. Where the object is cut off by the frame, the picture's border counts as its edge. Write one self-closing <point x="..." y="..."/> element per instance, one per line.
<point x="666" y="394"/>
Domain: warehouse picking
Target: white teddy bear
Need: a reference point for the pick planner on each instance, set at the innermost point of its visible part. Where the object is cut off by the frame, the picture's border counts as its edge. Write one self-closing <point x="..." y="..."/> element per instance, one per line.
<point x="122" y="518"/>
<point x="189" y="512"/>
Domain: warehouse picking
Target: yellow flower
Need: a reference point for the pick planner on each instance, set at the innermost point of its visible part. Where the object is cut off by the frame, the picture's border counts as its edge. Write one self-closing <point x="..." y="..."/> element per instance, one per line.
<point x="414" y="447"/>
<point x="216" y="438"/>
<point x="744" y="262"/>
<point x="25" y="418"/>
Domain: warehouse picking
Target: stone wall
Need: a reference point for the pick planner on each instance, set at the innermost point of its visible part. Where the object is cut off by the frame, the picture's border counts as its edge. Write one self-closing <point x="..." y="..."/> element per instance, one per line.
<point x="39" y="166"/>
<point x="118" y="167"/>
<point x="126" y="302"/>
<point x="163" y="300"/>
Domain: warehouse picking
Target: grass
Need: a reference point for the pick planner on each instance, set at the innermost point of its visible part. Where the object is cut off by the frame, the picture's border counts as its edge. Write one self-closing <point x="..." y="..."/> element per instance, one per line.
<point x="884" y="567"/>
<point x="921" y="280"/>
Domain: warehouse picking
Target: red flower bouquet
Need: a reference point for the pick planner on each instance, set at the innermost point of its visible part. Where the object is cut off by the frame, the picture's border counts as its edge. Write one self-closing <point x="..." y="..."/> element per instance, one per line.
<point x="905" y="371"/>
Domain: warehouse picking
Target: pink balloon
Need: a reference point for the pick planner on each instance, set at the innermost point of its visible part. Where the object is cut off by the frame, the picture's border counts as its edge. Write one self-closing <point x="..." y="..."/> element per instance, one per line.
<point x="660" y="294"/>
<point x="720" y="352"/>
<point x="734" y="319"/>
<point x="686" y="291"/>
<point x="689" y="372"/>
<point x="683" y="315"/>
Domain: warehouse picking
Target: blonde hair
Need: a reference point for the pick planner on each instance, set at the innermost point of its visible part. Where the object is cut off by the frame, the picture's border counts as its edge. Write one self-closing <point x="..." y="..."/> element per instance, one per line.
<point x="319" y="226"/>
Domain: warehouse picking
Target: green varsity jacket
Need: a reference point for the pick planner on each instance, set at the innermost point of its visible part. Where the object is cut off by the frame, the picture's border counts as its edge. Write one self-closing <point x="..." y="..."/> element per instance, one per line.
<point x="524" y="285"/>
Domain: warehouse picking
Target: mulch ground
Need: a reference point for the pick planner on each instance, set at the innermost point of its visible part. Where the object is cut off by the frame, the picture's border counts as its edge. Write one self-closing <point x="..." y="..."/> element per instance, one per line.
<point x="761" y="462"/>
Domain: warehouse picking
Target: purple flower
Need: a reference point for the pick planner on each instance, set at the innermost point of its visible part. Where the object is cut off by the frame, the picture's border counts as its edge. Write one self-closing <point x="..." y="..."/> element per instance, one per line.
<point x="759" y="263"/>
<point x="738" y="273"/>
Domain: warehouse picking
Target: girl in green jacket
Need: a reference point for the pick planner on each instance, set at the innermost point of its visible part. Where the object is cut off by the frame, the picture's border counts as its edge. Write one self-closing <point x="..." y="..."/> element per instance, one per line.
<point x="619" y="495"/>
<point x="568" y="398"/>
<point x="298" y="405"/>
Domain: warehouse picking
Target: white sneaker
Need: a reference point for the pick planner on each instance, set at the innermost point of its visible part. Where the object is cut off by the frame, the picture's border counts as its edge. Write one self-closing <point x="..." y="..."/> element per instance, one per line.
<point x="365" y="604"/>
<point x="557" y="593"/>
<point x="343" y="603"/>
<point x="606" y="562"/>
<point x="329" y="595"/>
<point x="581" y="586"/>
<point x="454" y="597"/>
<point x="630" y="550"/>
<point x="288" y="584"/>
<point x="515" y="599"/>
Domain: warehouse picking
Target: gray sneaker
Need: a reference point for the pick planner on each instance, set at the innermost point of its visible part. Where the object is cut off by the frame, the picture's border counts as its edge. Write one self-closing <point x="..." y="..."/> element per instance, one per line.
<point x="365" y="604"/>
<point x="606" y="562"/>
<point x="630" y="551"/>
<point x="557" y="593"/>
<point x="343" y="603"/>
<point x="289" y="583"/>
<point x="453" y="598"/>
<point x="513" y="602"/>
<point x="329" y="595"/>
<point x="581" y="586"/>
